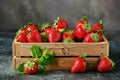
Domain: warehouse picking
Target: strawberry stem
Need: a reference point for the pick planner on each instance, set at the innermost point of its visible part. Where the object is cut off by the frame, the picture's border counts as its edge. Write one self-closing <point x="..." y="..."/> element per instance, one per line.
<point x="84" y="18"/>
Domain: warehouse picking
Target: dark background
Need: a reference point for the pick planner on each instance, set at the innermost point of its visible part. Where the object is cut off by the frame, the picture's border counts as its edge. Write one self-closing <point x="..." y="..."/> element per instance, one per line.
<point x="16" y="13"/>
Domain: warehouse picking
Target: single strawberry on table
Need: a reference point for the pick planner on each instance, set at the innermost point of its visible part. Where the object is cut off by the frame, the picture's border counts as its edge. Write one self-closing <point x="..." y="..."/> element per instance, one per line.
<point x="105" y="64"/>
<point x="79" y="64"/>
<point x="30" y="67"/>
<point x="60" y="24"/>
<point x="34" y="36"/>
<point x="54" y="36"/>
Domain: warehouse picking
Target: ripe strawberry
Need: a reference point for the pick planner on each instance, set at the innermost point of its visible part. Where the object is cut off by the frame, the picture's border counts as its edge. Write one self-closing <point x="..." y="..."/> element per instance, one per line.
<point x="91" y="37"/>
<point x="82" y="21"/>
<point x="30" y="27"/>
<point x="60" y="24"/>
<point x="46" y="27"/>
<point x="105" y="64"/>
<point x="79" y="64"/>
<point x="30" y="67"/>
<point x="21" y="37"/>
<point x="34" y="36"/>
<point x="54" y="36"/>
<point x="68" y="33"/>
<point x="97" y="27"/>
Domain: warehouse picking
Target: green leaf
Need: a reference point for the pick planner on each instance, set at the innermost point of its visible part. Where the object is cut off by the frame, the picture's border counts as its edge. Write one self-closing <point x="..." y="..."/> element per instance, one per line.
<point x="68" y="40"/>
<point x="44" y="36"/>
<point x="95" y="37"/>
<point x="84" y="18"/>
<point x="35" y="51"/>
<point x="20" y="68"/>
<point x="41" y="69"/>
<point x="83" y="55"/>
<point x="47" y="57"/>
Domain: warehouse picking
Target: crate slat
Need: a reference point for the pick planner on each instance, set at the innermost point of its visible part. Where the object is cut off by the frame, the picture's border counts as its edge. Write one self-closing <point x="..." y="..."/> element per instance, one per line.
<point x="59" y="63"/>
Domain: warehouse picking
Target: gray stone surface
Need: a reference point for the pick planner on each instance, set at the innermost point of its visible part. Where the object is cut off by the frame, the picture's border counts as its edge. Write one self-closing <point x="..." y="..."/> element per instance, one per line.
<point x="7" y="73"/>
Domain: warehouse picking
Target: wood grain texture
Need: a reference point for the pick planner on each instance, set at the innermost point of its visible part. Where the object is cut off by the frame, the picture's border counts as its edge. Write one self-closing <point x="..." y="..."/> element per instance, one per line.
<point x="59" y="63"/>
<point x="64" y="49"/>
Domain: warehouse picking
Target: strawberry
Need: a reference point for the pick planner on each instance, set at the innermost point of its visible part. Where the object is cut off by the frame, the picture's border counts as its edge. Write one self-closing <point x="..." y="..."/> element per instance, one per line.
<point x="46" y="27"/>
<point x="30" y="27"/>
<point x="60" y="24"/>
<point x="82" y="21"/>
<point x="54" y="36"/>
<point x="97" y="27"/>
<point x="21" y="37"/>
<point x="30" y="67"/>
<point x="34" y="36"/>
<point x="79" y="64"/>
<point x="105" y="64"/>
<point x="68" y="33"/>
<point x="91" y="37"/>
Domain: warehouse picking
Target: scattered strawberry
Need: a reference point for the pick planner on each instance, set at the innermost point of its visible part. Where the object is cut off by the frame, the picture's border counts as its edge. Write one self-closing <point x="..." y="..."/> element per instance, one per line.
<point x="30" y="67"/>
<point x="60" y="24"/>
<point x="105" y="64"/>
<point x="68" y="33"/>
<point x="97" y="27"/>
<point x="54" y="36"/>
<point x="79" y="64"/>
<point x="21" y="37"/>
<point x="82" y="21"/>
<point x="34" y="36"/>
<point x="91" y="37"/>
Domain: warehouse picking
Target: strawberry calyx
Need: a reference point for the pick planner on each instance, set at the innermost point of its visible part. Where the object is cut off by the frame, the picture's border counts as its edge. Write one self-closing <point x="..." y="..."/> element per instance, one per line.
<point x="84" y="18"/>
<point x="68" y="40"/>
<point x="45" y="25"/>
<point x="102" y="24"/>
<point x="83" y="55"/>
<point x="87" y="26"/>
<point x="56" y="21"/>
<point x="94" y="36"/>
<point x="29" y="64"/>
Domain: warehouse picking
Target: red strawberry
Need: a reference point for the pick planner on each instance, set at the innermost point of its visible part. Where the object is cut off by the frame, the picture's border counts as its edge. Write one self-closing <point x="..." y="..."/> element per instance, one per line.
<point x="30" y="67"/>
<point x="30" y="27"/>
<point x="54" y="36"/>
<point x="60" y="24"/>
<point x="105" y="64"/>
<point x="79" y="64"/>
<point x="82" y="21"/>
<point x="46" y="27"/>
<point x="34" y="36"/>
<point x="68" y="33"/>
<point x="22" y="37"/>
<point x="91" y="37"/>
<point x="98" y="26"/>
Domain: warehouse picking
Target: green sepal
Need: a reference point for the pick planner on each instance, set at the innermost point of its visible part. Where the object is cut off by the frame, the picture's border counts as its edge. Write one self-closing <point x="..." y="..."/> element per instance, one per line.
<point x="112" y="62"/>
<point x="44" y="36"/>
<point x="36" y="52"/>
<point x="87" y="26"/>
<point x="68" y="40"/>
<point x="20" y="68"/>
<point x="83" y="55"/>
<point x="88" y="65"/>
<point x="102" y="24"/>
<point x="45" y="25"/>
<point x="95" y="37"/>
<point x="56" y="21"/>
<point x="84" y="18"/>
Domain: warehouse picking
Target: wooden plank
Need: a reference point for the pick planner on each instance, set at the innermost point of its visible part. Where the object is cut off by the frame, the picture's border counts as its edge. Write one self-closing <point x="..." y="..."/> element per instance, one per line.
<point x="64" y="49"/>
<point x="59" y="64"/>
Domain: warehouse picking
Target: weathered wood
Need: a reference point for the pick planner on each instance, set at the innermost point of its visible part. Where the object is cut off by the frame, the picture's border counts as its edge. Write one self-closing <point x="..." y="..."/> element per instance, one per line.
<point x="59" y="63"/>
<point x="64" y="49"/>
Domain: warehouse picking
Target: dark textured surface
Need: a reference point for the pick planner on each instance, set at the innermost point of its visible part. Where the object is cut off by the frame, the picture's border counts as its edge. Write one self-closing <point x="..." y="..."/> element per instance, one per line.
<point x="7" y="73"/>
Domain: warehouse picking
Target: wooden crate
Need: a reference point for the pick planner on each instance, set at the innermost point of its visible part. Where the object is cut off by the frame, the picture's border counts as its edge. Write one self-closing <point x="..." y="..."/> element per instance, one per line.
<point x="64" y="53"/>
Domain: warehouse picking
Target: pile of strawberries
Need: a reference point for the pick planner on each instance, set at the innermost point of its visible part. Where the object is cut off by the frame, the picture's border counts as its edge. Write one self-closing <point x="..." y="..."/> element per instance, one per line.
<point x="60" y="32"/>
